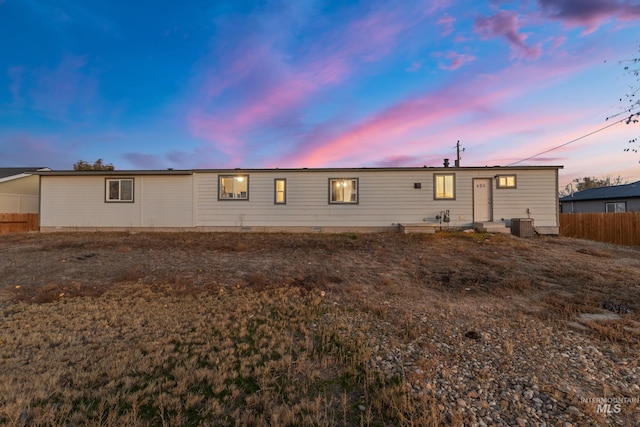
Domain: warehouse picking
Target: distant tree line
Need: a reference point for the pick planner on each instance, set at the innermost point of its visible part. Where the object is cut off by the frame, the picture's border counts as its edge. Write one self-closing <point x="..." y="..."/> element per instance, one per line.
<point x="584" y="183"/>
<point x="81" y="165"/>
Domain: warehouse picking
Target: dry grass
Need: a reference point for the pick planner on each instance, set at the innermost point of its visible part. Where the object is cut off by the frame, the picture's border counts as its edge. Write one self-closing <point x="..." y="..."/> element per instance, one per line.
<point x="239" y="329"/>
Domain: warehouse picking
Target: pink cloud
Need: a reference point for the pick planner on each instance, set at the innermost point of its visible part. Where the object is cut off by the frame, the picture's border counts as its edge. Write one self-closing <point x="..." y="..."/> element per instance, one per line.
<point x="415" y="66"/>
<point x="457" y="60"/>
<point x="589" y="13"/>
<point x="558" y="41"/>
<point x="239" y="63"/>
<point x="264" y="86"/>
<point x="446" y="22"/>
<point x="373" y="137"/>
<point x="406" y="160"/>
<point x="476" y="110"/>
<point x="506" y="24"/>
<point x="227" y="129"/>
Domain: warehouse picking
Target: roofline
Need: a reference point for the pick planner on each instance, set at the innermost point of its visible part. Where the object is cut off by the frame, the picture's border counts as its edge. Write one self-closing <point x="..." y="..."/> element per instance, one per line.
<point x="115" y="172"/>
<point x="248" y="170"/>
<point x="23" y="175"/>
<point x="572" y="197"/>
<point x="568" y="199"/>
<point x="397" y="168"/>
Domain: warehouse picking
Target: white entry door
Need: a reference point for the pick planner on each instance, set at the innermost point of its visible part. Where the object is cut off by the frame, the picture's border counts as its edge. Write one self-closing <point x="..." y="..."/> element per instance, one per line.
<point x="482" y="204"/>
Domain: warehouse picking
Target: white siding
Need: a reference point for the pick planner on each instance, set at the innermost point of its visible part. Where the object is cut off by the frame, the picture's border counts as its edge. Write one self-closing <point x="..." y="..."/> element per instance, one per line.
<point x="167" y="201"/>
<point x="386" y="198"/>
<point x="19" y="195"/>
<point x="18" y="203"/>
<point x="79" y="201"/>
<point x="383" y="200"/>
<point x="536" y="196"/>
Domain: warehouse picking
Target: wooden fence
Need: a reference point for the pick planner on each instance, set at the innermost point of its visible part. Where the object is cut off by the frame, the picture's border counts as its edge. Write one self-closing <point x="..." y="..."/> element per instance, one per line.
<point x="18" y="223"/>
<point x="621" y="228"/>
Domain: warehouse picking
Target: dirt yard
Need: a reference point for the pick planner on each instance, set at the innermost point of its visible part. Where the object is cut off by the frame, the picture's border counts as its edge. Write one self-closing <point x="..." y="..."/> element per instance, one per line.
<point x="299" y="329"/>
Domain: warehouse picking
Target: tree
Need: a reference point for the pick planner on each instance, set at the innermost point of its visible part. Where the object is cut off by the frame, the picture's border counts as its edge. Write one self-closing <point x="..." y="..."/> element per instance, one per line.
<point x="584" y="183"/>
<point x="81" y="165"/>
<point x="631" y="107"/>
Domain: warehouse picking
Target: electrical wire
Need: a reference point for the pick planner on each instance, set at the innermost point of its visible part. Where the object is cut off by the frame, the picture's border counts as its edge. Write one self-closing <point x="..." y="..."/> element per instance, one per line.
<point x="570" y="142"/>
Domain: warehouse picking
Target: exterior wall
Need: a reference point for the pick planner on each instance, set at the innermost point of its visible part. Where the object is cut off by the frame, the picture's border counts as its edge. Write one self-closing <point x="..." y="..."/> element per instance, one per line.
<point x="79" y="202"/>
<point x="18" y="203"/>
<point x="20" y="195"/>
<point x="386" y="198"/>
<point x="536" y="196"/>
<point x="585" y="206"/>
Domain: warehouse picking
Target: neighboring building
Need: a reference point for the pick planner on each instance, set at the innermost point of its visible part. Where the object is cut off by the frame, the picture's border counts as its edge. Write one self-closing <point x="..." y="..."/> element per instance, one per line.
<point x="615" y="198"/>
<point x="313" y="200"/>
<point x="19" y="190"/>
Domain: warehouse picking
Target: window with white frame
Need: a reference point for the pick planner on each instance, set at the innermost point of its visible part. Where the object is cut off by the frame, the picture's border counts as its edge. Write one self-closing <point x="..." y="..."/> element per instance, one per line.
<point x="119" y="190"/>
<point x="444" y="186"/>
<point x="343" y="190"/>
<point x="280" y="188"/>
<point x="615" y="207"/>
<point x="506" y="181"/>
<point x="233" y="187"/>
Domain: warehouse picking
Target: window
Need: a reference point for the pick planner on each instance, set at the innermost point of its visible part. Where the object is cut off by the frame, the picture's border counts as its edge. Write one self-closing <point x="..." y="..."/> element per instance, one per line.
<point x="119" y="190"/>
<point x="506" y="181"/>
<point x="233" y="187"/>
<point x="616" y="207"/>
<point x="444" y="186"/>
<point x="343" y="190"/>
<point x="280" y="189"/>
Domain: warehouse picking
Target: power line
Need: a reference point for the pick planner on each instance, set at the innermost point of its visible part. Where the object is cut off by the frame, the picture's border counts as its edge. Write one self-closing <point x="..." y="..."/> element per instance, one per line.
<point x="570" y="142"/>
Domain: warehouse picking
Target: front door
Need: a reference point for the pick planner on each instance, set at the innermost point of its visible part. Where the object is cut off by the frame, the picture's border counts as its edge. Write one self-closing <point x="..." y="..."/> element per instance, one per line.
<point x="482" y="206"/>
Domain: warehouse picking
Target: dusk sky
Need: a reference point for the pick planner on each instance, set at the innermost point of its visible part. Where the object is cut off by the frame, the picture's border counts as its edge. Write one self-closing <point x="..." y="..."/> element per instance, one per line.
<point x="318" y="83"/>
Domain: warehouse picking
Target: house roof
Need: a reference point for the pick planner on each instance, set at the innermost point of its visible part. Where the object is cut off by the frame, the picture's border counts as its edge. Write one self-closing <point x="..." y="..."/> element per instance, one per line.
<point x="625" y="191"/>
<point x="7" y="172"/>
<point x="248" y="170"/>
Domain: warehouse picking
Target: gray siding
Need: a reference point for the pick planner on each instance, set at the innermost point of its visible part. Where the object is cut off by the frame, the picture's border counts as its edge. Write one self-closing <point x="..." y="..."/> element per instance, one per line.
<point x="584" y="206"/>
<point x="386" y="198"/>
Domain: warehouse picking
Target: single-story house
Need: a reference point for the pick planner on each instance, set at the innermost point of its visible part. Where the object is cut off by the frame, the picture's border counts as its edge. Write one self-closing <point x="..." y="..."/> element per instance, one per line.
<point x="615" y="198"/>
<point x="313" y="200"/>
<point x="19" y="189"/>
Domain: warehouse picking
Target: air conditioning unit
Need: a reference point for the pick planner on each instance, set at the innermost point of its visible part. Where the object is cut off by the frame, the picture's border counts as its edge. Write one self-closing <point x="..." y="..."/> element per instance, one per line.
<point x="522" y="227"/>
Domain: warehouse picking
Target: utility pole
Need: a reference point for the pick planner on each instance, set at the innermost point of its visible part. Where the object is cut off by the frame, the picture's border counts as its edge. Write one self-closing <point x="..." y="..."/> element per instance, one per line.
<point x="458" y="154"/>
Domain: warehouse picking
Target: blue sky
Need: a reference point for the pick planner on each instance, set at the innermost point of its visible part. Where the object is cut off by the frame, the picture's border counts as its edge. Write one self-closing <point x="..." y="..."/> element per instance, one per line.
<point x="313" y="83"/>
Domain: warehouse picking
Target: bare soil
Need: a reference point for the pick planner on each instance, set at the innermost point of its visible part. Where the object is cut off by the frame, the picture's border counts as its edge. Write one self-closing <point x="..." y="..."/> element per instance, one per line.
<point x="314" y="329"/>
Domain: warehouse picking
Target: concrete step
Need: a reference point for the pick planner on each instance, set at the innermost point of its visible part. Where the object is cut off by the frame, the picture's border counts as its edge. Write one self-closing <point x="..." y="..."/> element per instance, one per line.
<point x="491" y="227"/>
<point x="419" y="228"/>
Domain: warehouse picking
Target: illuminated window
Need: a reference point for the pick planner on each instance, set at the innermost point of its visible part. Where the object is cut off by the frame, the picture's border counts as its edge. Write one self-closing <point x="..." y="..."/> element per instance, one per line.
<point x="280" y="197"/>
<point x="506" y="181"/>
<point x="119" y="190"/>
<point x="233" y="187"/>
<point x="444" y="186"/>
<point x="343" y="190"/>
